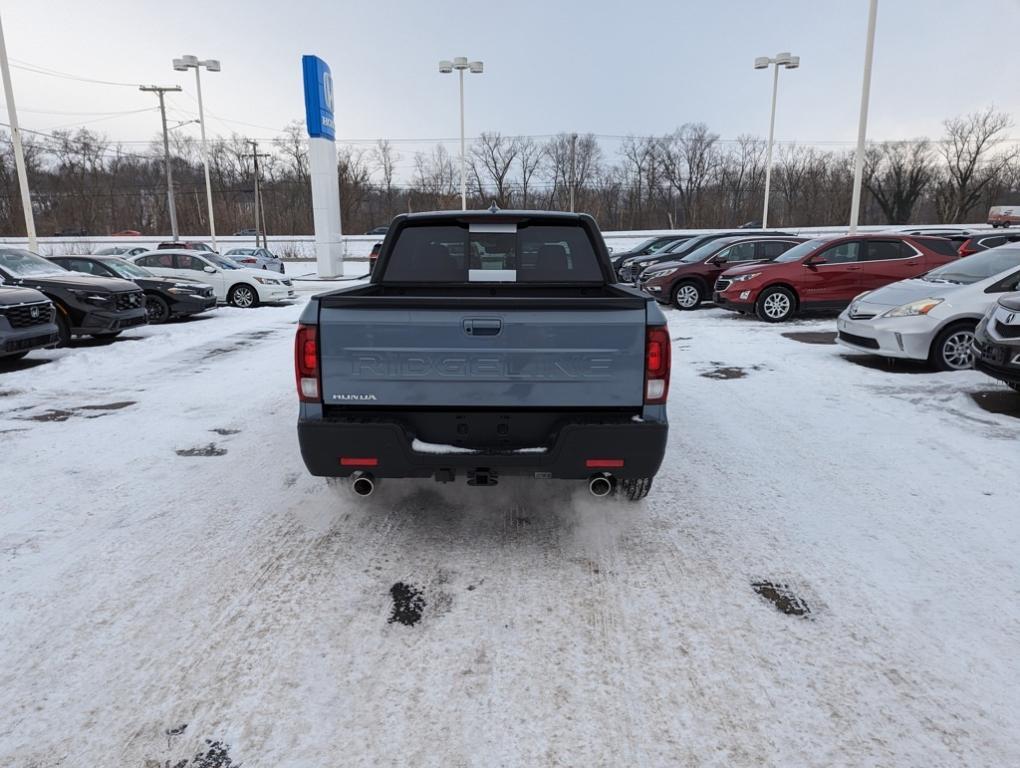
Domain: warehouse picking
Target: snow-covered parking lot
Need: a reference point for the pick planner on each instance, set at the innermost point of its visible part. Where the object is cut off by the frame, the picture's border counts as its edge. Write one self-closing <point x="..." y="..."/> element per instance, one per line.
<point x="173" y="583"/>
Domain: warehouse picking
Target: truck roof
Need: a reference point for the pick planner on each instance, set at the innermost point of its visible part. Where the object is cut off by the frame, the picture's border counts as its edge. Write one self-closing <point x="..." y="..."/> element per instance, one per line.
<point x="488" y="215"/>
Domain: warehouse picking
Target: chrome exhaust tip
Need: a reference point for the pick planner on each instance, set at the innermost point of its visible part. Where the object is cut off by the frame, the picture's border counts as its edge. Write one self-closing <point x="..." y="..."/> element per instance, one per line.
<point x="363" y="483"/>
<point x="601" y="485"/>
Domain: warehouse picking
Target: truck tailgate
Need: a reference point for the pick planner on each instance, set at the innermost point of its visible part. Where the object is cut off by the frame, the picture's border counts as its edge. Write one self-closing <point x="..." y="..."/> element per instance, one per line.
<point x="475" y="357"/>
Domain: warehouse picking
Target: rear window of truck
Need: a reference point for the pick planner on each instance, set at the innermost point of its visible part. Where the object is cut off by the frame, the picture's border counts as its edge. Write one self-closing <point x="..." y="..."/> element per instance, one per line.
<point x="493" y="253"/>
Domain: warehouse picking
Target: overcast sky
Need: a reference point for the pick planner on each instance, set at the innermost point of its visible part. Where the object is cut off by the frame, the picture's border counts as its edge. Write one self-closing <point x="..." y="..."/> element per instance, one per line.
<point x="637" y="67"/>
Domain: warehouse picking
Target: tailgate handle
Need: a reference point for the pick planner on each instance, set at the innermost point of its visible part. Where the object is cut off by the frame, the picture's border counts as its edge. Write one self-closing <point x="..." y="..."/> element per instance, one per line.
<point x="483" y="326"/>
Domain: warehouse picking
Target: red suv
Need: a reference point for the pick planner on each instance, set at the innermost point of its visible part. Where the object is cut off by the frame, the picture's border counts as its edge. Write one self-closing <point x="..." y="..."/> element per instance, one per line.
<point x="827" y="272"/>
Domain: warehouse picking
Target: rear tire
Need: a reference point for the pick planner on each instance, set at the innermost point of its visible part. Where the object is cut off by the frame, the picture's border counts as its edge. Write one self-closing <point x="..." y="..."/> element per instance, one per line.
<point x="244" y="296"/>
<point x="635" y="489"/>
<point x="687" y="295"/>
<point x="952" y="349"/>
<point x="775" y="305"/>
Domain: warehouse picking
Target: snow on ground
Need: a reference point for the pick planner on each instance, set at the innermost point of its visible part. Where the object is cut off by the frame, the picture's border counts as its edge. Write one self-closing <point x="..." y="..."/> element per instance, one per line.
<point x="172" y="582"/>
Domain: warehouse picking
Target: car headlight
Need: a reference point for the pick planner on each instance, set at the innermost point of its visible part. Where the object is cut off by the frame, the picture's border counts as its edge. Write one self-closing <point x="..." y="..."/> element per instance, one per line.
<point x="182" y="289"/>
<point x="267" y="281"/>
<point x="914" y="308"/>
<point x="660" y="273"/>
<point x="744" y="278"/>
<point x="90" y="297"/>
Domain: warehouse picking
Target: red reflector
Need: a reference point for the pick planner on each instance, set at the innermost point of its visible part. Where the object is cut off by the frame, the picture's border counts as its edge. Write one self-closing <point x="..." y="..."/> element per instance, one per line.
<point x="603" y="463"/>
<point x="348" y="461"/>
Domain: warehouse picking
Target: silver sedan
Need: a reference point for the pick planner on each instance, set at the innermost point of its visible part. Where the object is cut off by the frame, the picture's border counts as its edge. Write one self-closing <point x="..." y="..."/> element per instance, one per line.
<point x="931" y="317"/>
<point x="256" y="258"/>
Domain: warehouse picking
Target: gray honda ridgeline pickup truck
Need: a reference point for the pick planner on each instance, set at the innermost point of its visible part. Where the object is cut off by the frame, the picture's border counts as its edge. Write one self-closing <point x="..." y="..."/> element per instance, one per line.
<point x="487" y="343"/>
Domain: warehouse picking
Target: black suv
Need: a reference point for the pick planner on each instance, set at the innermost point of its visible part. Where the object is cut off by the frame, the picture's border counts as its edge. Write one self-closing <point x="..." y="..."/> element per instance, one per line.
<point x="997" y="341"/>
<point x="27" y="322"/>
<point x="165" y="297"/>
<point x="652" y="245"/>
<point x="86" y="306"/>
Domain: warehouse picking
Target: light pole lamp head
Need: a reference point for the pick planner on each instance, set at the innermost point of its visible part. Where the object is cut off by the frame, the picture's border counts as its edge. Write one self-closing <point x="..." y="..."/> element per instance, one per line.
<point x="212" y="65"/>
<point x="446" y="67"/>
<point x="793" y="63"/>
<point x="476" y="67"/>
<point x="460" y="62"/>
<point x="762" y="62"/>
<point x="180" y="66"/>
<point x="189" y="61"/>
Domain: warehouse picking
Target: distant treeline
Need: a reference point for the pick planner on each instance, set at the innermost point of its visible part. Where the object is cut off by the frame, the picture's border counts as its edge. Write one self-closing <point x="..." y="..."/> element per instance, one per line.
<point x="689" y="178"/>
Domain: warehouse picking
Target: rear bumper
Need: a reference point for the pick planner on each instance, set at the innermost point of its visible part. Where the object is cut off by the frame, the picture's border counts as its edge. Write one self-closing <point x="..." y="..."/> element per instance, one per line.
<point x="640" y="445"/>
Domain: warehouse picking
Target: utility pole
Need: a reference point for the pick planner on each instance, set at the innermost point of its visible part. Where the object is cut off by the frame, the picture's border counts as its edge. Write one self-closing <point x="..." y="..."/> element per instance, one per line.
<point x="258" y="196"/>
<point x="171" y="205"/>
<point x="573" y="168"/>
<point x="19" y="150"/>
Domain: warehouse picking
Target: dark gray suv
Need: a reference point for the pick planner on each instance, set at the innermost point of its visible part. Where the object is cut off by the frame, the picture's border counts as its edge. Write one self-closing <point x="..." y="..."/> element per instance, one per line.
<point x="27" y="322"/>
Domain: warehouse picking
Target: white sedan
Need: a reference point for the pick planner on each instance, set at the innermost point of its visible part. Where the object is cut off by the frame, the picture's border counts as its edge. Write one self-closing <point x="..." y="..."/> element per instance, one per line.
<point x="931" y="317"/>
<point x="239" y="286"/>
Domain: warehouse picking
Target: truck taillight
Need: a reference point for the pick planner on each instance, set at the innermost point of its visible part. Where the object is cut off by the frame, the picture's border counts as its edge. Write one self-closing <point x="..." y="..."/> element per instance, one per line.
<point x="657" y="361"/>
<point x="306" y="363"/>
<point x="966" y="249"/>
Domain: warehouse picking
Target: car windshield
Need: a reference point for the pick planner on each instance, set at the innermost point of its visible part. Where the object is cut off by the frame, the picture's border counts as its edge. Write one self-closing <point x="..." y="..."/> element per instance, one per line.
<point x="977" y="267"/>
<point x="21" y="263"/>
<point x="798" y="252"/>
<point x="702" y="253"/>
<point x="219" y="261"/>
<point x="126" y="269"/>
<point x="689" y="244"/>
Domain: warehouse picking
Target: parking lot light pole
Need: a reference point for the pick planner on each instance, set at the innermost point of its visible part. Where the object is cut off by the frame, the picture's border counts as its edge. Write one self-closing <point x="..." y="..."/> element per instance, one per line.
<point x="763" y="62"/>
<point x="446" y="67"/>
<point x="183" y="64"/>
<point x="862" y="125"/>
<point x="19" y="152"/>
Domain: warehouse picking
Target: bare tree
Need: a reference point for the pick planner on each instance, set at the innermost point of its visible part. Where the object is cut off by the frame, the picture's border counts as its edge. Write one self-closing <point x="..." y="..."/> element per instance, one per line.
<point x="897" y="174"/>
<point x="530" y="156"/>
<point x="971" y="163"/>
<point x="495" y="155"/>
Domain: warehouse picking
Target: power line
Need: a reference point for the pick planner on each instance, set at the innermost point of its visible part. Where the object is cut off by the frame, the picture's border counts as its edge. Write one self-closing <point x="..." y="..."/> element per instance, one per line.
<point x="27" y="66"/>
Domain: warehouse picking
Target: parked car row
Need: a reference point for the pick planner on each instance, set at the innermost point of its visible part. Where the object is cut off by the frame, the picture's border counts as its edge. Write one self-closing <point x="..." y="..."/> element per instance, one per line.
<point x="950" y="298"/>
<point x="47" y="302"/>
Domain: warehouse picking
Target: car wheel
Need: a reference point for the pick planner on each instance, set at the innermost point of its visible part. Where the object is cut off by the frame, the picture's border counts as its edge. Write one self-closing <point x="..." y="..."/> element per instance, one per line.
<point x="775" y="305"/>
<point x="635" y="489"/>
<point x="63" y="330"/>
<point x="157" y="309"/>
<point x="244" y="296"/>
<point x="953" y="349"/>
<point x="687" y="295"/>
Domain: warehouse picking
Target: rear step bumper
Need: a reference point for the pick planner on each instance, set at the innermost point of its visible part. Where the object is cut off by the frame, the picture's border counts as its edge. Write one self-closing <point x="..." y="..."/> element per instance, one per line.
<point x="640" y="445"/>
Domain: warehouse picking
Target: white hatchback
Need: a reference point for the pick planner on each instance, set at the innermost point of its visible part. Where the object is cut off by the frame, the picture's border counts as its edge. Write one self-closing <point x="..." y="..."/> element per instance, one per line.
<point x="236" y="285"/>
<point x="931" y="317"/>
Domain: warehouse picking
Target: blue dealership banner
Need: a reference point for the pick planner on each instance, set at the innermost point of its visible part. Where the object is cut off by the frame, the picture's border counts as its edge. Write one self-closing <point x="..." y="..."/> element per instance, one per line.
<point x="318" y="98"/>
